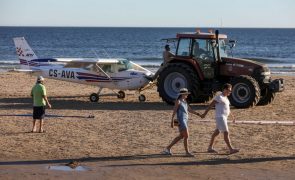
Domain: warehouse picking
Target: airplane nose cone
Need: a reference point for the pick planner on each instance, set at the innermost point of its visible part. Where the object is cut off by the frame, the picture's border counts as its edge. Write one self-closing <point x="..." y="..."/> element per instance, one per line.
<point x="149" y="74"/>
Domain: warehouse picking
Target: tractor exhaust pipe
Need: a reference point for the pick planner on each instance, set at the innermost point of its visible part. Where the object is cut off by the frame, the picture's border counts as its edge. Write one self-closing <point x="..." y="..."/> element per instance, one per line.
<point x="217" y="42"/>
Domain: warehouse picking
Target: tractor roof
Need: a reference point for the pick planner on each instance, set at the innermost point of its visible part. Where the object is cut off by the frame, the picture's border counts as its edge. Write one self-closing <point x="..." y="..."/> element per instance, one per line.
<point x="200" y="35"/>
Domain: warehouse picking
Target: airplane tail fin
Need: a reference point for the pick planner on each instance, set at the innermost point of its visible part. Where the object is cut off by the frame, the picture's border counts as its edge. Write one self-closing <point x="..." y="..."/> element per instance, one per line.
<point x="24" y="52"/>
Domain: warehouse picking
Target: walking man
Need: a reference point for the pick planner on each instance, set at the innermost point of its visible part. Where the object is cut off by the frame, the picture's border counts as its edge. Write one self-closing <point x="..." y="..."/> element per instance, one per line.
<point x="222" y="111"/>
<point x="39" y="102"/>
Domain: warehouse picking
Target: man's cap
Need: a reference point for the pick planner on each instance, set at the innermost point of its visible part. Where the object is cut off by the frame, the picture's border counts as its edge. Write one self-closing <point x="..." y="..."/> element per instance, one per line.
<point x="167" y="46"/>
<point x="40" y="78"/>
<point x="183" y="91"/>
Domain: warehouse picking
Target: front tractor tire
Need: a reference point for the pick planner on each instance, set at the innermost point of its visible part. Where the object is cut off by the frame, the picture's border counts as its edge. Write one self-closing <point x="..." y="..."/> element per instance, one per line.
<point x="245" y="92"/>
<point x="174" y="77"/>
<point x="267" y="96"/>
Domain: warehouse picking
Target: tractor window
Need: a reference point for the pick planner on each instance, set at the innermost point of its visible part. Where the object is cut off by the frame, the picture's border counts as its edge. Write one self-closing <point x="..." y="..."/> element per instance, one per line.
<point x="223" y="48"/>
<point x="184" y="47"/>
<point x="203" y="54"/>
<point x="202" y="50"/>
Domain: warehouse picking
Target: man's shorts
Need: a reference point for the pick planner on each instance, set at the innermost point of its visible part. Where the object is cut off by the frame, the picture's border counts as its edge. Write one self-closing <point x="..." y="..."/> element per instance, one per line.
<point x="38" y="112"/>
<point x="221" y="124"/>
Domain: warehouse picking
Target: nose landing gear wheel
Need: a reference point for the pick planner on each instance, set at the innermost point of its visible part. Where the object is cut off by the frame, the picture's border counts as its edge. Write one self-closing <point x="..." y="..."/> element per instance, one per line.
<point x="141" y="98"/>
<point x="121" y="95"/>
<point x="94" y="97"/>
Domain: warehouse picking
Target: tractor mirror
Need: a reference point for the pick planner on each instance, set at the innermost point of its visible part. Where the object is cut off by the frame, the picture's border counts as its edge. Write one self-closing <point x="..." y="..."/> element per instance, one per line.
<point x="232" y="43"/>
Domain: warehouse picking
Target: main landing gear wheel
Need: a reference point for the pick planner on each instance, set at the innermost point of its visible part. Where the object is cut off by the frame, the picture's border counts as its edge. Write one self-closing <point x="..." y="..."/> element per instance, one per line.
<point x="94" y="97"/>
<point x="141" y="98"/>
<point x="121" y="95"/>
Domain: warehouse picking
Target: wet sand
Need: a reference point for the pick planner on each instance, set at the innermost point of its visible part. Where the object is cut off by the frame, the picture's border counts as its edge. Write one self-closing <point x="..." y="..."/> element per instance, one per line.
<point x="125" y="138"/>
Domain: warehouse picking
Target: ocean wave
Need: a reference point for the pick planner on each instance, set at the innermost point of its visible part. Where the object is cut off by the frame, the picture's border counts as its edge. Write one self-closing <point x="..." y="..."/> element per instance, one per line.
<point x="285" y="73"/>
<point x="281" y="66"/>
<point x="147" y="59"/>
<point x="271" y="60"/>
<point x="9" y="62"/>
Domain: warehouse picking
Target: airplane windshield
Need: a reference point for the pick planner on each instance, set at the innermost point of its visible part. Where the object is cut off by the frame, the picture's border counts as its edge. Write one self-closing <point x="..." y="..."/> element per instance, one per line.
<point x="125" y="65"/>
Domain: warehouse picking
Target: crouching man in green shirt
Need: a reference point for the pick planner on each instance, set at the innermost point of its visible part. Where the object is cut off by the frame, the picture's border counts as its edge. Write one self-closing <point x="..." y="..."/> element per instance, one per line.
<point x="40" y="100"/>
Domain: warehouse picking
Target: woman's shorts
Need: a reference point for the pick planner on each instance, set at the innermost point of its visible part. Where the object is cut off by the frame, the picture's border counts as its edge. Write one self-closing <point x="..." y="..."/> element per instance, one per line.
<point x="221" y="124"/>
<point x="38" y="112"/>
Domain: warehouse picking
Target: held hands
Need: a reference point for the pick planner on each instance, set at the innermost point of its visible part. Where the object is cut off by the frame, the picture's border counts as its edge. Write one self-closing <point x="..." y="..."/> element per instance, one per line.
<point x="200" y="115"/>
<point x="203" y="115"/>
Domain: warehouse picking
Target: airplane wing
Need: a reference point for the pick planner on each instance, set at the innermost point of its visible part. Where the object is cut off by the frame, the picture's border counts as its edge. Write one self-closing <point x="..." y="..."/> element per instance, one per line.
<point x="26" y="70"/>
<point x="87" y="60"/>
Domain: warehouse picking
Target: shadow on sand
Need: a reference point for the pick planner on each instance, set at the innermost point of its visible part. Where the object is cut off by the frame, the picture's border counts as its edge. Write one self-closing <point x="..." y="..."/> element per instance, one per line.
<point x="48" y="116"/>
<point x="216" y="161"/>
<point x="72" y="104"/>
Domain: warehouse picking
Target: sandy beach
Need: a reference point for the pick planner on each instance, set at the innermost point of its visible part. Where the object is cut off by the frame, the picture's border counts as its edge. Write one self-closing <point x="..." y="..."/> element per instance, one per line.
<point x="125" y="137"/>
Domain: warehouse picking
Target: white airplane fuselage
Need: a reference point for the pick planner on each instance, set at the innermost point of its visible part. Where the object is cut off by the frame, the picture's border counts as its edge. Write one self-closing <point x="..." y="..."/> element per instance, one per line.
<point x="124" y="80"/>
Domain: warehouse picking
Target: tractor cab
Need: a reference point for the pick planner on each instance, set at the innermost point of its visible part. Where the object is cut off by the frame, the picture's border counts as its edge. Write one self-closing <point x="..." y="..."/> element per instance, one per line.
<point x="202" y="48"/>
<point x="202" y="65"/>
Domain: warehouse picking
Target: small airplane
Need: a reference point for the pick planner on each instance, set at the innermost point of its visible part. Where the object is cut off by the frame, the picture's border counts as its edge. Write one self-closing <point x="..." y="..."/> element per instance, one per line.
<point x="119" y="74"/>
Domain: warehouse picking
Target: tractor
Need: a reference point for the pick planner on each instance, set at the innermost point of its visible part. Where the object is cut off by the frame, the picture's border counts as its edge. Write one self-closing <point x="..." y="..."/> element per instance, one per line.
<point x="202" y="65"/>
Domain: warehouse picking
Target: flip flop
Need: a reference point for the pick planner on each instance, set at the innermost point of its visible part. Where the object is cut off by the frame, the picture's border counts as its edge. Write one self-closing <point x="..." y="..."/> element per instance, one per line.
<point x="212" y="151"/>
<point x="234" y="151"/>
<point x="189" y="155"/>
<point x="167" y="152"/>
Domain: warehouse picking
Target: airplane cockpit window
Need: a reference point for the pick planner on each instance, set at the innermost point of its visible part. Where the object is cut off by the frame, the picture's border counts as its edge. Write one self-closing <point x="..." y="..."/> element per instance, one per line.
<point x="107" y="68"/>
<point x="89" y="67"/>
<point x="124" y="65"/>
<point x="83" y="65"/>
<point x="121" y="65"/>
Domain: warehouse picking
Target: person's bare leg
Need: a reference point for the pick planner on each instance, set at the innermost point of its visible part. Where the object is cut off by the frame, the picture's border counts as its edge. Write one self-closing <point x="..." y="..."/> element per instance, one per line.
<point x="227" y="141"/>
<point x="214" y="135"/>
<point x="185" y="135"/>
<point x="41" y="129"/>
<point x="175" y="140"/>
<point x="34" y="126"/>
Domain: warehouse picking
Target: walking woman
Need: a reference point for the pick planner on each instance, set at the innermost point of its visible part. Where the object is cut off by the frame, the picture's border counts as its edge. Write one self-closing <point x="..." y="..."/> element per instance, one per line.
<point x="181" y="108"/>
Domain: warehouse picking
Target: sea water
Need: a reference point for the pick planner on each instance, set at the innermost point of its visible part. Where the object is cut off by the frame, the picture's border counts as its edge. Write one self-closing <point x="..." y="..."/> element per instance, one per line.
<point x="274" y="47"/>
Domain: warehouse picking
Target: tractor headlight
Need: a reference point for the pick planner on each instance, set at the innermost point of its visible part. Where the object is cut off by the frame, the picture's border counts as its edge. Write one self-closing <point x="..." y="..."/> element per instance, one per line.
<point x="265" y="73"/>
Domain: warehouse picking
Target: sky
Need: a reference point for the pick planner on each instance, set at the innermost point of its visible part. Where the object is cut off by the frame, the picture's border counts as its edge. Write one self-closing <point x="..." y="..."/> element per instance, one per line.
<point x="149" y="13"/>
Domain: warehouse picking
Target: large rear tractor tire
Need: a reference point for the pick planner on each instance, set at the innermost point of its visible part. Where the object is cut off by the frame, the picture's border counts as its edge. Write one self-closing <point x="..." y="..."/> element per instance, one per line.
<point x="174" y="77"/>
<point x="245" y="92"/>
<point x="267" y="96"/>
